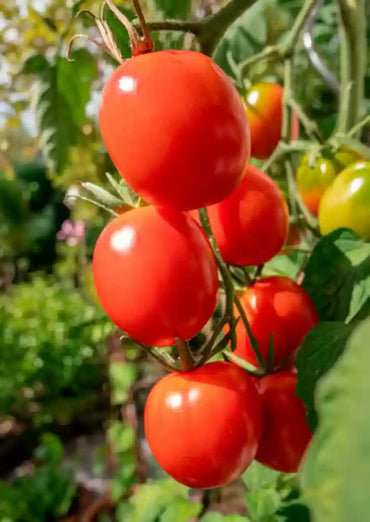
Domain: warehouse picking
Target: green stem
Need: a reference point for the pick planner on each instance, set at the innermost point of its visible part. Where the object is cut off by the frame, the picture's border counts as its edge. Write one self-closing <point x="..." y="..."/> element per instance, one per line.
<point x="308" y="124"/>
<point x="253" y="341"/>
<point x="360" y="125"/>
<point x="185" y="355"/>
<point x="352" y="31"/>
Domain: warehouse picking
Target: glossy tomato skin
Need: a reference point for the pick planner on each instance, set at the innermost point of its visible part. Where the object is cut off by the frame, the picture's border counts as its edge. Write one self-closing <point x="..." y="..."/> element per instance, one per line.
<point x="264" y="107"/>
<point x="313" y="180"/>
<point x="285" y="432"/>
<point x="275" y="306"/>
<point x="156" y="275"/>
<point x="251" y="225"/>
<point x="203" y="427"/>
<point x="346" y="203"/>
<point x="175" y="128"/>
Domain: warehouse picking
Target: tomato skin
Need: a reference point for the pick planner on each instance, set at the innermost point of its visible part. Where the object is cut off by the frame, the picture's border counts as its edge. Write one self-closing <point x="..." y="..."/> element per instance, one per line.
<point x="203" y="427"/>
<point x="264" y="108"/>
<point x="251" y="225"/>
<point x="313" y="181"/>
<point x="156" y="275"/>
<point x="279" y="306"/>
<point x="346" y="203"/>
<point x="285" y="432"/>
<point x="175" y="128"/>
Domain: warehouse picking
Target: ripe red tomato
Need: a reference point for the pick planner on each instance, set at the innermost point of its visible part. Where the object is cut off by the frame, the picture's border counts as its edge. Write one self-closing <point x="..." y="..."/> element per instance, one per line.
<point x="203" y="427"/>
<point x="156" y="275"/>
<point x="275" y="306"/>
<point x="264" y="107"/>
<point x="251" y="225"/>
<point x="312" y="181"/>
<point x="285" y="432"/>
<point x="346" y="203"/>
<point x="175" y="128"/>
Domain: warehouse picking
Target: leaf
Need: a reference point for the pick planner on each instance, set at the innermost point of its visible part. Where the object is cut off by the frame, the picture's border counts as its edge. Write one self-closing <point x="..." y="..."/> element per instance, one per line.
<point x="285" y="265"/>
<point x="127" y="195"/>
<point x="119" y="32"/>
<point x="171" y="9"/>
<point x="336" y="471"/>
<point x="244" y="38"/>
<point x="319" y="351"/>
<point x="35" y="64"/>
<point x="122" y="376"/>
<point x="181" y="511"/>
<point x="212" y="516"/>
<point x="102" y="195"/>
<point x="55" y="121"/>
<point x="121" y="437"/>
<point x="74" y="82"/>
<point x="337" y="276"/>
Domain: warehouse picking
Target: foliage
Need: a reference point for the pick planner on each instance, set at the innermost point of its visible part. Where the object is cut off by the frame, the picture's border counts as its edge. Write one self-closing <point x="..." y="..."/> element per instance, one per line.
<point x="52" y="352"/>
<point x="45" y="493"/>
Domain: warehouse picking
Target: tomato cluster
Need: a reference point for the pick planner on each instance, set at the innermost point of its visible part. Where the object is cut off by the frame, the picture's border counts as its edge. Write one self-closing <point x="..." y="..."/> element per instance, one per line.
<point x="183" y="143"/>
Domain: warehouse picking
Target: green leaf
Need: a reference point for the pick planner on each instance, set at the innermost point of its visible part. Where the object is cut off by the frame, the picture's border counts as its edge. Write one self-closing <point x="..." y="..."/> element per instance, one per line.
<point x="121" y="437"/>
<point x="181" y="511"/>
<point x="212" y="516"/>
<point x="119" y="32"/>
<point x="338" y="276"/>
<point x="244" y="38"/>
<point x="102" y="195"/>
<point x="127" y="195"/>
<point x="259" y="476"/>
<point x="263" y="503"/>
<point x="55" y="121"/>
<point x="122" y="376"/>
<point x="35" y="64"/>
<point x="74" y="82"/>
<point x="336" y="471"/>
<point x="285" y="265"/>
<point x="171" y="9"/>
<point x="319" y="351"/>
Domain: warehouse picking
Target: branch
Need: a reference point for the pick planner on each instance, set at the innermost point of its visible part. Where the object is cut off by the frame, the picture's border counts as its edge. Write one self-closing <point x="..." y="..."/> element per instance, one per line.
<point x="352" y="31"/>
<point x="209" y="30"/>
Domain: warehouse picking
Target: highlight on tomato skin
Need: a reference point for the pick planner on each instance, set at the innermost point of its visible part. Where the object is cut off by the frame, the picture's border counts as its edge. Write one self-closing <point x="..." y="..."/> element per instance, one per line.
<point x="285" y="432"/>
<point x="251" y="225"/>
<point x="156" y="275"/>
<point x="203" y="427"/>
<point x="175" y="128"/>
<point x="275" y="307"/>
<point x="264" y="109"/>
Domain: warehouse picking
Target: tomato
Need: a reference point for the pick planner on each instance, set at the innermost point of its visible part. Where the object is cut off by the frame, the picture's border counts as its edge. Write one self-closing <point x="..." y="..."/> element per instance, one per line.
<point x="251" y="225"/>
<point x="279" y="307"/>
<point x="285" y="432"/>
<point x="312" y="181"/>
<point x="346" y="203"/>
<point x="156" y="275"/>
<point x="203" y="427"/>
<point x="264" y="107"/>
<point x="175" y="128"/>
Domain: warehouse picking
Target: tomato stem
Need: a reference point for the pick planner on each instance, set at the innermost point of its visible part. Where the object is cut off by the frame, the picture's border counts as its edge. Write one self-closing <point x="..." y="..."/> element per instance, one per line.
<point x="148" y="42"/>
<point x="185" y="356"/>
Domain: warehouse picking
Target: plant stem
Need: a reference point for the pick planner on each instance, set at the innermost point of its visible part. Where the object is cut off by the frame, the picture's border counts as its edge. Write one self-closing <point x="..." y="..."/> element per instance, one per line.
<point x="185" y="355"/>
<point x="352" y="31"/>
<point x="360" y="125"/>
<point x="309" y="125"/>
<point x="253" y="341"/>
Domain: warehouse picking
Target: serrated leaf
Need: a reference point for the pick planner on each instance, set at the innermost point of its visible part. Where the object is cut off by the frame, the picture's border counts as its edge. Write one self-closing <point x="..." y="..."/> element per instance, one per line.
<point x="244" y="38"/>
<point x="319" y="351"/>
<point x="171" y="9"/>
<point x="102" y="195"/>
<point x="74" y="81"/>
<point x="126" y="194"/>
<point x="336" y="470"/>
<point x="337" y="276"/>
<point x="181" y="511"/>
<point x="54" y="121"/>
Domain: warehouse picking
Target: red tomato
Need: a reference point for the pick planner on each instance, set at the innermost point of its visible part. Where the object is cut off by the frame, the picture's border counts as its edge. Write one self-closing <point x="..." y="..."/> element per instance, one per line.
<point x="203" y="427"/>
<point x="264" y="107"/>
<point x="251" y="225"/>
<point x="275" y="306"/>
<point x="175" y="128"/>
<point x="156" y="275"/>
<point x="285" y="432"/>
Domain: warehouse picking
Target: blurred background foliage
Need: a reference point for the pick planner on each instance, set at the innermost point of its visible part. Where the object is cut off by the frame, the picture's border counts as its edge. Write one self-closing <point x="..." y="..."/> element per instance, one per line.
<point x="63" y="374"/>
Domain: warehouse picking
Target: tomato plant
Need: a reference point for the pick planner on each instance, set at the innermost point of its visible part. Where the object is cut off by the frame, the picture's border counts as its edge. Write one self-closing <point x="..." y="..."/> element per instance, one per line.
<point x="141" y="282"/>
<point x="251" y="225"/>
<point x="278" y="311"/>
<point x="313" y="180"/>
<point x="346" y="203"/>
<point x="163" y="149"/>
<point x="285" y="434"/>
<point x="264" y="108"/>
<point x="188" y="447"/>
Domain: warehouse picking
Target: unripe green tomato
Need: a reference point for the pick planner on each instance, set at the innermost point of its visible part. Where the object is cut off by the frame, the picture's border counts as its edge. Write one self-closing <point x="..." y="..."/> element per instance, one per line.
<point x="313" y="181"/>
<point x="346" y="203"/>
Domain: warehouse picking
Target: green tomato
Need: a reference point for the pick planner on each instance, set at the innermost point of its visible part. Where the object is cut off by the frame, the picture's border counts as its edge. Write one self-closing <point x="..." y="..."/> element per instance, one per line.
<point x="346" y="203"/>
